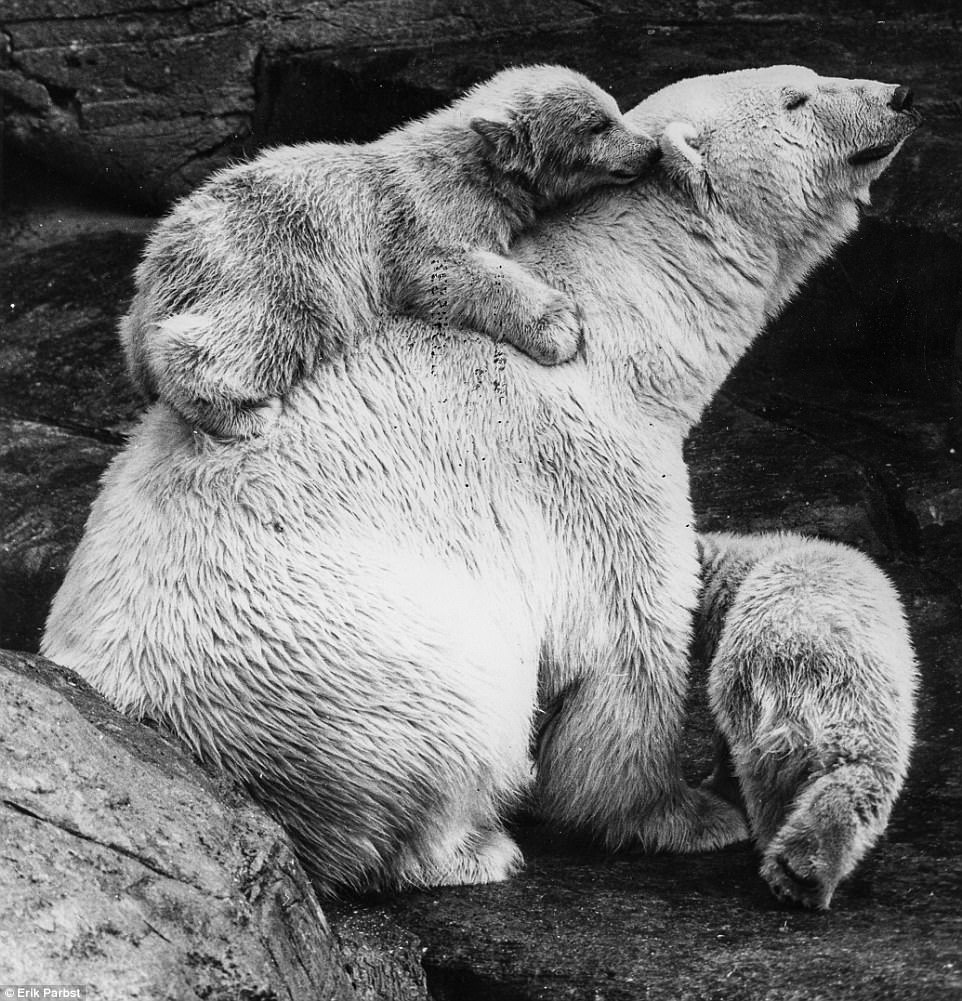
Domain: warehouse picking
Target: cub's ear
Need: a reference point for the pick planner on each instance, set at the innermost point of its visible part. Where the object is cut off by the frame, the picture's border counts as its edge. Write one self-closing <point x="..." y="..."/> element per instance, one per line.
<point x="682" y="159"/>
<point x="499" y="137"/>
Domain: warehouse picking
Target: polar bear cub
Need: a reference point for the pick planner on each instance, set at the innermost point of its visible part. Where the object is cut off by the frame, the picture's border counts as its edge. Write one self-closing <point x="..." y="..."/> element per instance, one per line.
<point x="812" y="685"/>
<point x="277" y="263"/>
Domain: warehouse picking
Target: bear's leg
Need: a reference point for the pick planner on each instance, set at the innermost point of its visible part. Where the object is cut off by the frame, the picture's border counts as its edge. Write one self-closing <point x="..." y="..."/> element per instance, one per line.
<point x="496" y="296"/>
<point x="608" y="765"/>
<point x="811" y="684"/>
<point x="833" y="823"/>
<point x="195" y="375"/>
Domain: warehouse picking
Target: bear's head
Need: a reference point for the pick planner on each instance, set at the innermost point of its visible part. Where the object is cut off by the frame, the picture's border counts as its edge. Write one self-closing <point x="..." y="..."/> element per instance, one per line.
<point x="557" y="132"/>
<point x="785" y="152"/>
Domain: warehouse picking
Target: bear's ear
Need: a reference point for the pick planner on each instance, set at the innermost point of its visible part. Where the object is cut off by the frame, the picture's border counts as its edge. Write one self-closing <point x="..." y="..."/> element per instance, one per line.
<point x="682" y="159"/>
<point x="499" y="137"/>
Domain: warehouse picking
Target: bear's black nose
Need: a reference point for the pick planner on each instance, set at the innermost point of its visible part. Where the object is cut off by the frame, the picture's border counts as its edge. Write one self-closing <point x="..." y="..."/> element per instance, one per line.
<point x="901" y="99"/>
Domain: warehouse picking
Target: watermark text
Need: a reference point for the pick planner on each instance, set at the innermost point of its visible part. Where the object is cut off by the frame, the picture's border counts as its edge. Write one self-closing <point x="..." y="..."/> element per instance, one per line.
<point x="37" y="992"/>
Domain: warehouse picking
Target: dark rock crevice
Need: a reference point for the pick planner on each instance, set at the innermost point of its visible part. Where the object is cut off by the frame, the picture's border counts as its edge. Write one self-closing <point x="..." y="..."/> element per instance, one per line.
<point x="348" y="97"/>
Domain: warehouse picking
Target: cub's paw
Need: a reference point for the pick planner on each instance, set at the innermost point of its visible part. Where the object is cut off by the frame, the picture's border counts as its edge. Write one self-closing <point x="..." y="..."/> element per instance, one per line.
<point x="256" y="420"/>
<point x="797" y="872"/>
<point x="558" y="333"/>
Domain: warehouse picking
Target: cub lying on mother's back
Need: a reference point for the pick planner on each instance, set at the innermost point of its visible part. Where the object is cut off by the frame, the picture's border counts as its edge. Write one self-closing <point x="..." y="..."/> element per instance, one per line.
<point x="280" y="262"/>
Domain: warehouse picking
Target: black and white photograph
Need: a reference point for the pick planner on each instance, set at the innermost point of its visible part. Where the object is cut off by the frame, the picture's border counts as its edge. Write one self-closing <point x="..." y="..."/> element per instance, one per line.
<point x="480" y="500"/>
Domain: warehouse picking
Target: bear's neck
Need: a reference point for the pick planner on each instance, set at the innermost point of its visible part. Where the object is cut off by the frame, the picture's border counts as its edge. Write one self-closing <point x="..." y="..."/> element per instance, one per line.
<point x="799" y="254"/>
<point x="678" y="302"/>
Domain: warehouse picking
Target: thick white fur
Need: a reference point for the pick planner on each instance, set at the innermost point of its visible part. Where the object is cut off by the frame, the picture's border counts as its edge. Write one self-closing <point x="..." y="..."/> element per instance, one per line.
<point x="360" y="613"/>
<point x="276" y="264"/>
<point x="812" y="685"/>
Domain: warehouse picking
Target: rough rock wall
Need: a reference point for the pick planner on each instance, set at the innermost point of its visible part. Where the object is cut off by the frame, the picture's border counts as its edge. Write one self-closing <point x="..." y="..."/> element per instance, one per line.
<point x="145" y="97"/>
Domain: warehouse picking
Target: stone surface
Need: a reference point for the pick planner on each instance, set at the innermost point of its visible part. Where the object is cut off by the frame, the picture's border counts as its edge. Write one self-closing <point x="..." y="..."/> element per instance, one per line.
<point x="49" y="478"/>
<point x="128" y="869"/>
<point x="145" y="99"/>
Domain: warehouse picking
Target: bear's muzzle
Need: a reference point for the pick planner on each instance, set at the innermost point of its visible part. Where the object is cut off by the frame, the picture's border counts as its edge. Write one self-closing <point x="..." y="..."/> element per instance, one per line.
<point x="899" y="126"/>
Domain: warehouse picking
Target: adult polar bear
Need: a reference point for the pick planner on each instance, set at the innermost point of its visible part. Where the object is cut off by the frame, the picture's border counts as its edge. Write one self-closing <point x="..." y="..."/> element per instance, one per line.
<point x="359" y="615"/>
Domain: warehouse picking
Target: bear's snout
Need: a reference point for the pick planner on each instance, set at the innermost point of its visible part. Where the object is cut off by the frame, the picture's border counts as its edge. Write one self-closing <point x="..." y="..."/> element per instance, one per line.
<point x="902" y="99"/>
<point x="643" y="154"/>
<point x="890" y="129"/>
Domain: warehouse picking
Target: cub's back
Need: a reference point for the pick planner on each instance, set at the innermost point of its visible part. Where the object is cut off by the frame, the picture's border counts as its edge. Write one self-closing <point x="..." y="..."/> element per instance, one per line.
<point x="291" y="238"/>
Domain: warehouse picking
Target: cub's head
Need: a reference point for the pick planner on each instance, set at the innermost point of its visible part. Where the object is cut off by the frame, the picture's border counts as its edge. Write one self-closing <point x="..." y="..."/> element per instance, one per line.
<point x="782" y="150"/>
<point x="557" y="133"/>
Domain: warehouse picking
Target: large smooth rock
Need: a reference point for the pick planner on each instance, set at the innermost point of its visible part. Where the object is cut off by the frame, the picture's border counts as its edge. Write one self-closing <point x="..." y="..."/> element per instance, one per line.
<point x="129" y="869"/>
<point x="146" y="99"/>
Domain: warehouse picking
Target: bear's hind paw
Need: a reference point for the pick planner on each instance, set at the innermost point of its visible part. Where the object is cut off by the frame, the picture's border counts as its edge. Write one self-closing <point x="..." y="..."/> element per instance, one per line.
<point x="700" y="822"/>
<point x="234" y="421"/>
<point x="488" y="856"/>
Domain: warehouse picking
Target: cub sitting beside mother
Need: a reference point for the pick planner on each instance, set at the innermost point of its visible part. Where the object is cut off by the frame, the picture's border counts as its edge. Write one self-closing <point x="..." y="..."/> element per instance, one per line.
<point x="359" y="615"/>
<point x="812" y="682"/>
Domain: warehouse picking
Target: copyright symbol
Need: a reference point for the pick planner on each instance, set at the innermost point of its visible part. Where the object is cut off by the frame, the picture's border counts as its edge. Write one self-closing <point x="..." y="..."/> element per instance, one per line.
<point x="8" y="992"/>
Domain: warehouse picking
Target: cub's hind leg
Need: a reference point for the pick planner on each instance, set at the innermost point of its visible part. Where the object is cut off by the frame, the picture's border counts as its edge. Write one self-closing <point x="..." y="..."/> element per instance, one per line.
<point x="197" y="376"/>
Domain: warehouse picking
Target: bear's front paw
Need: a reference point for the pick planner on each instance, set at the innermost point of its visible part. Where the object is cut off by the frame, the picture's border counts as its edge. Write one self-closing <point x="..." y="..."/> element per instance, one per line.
<point x="556" y="334"/>
<point x="832" y="824"/>
<point x="810" y="855"/>
<point x="712" y="823"/>
<point x="694" y="820"/>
